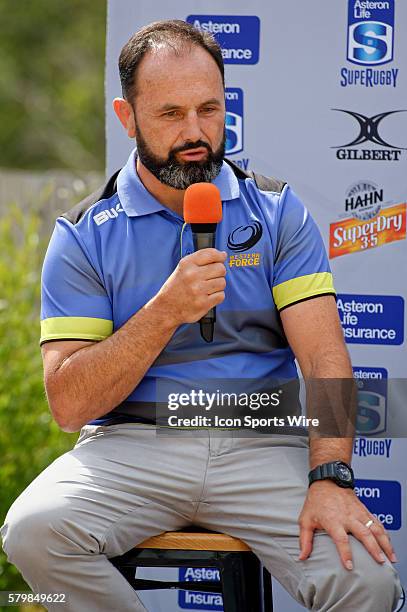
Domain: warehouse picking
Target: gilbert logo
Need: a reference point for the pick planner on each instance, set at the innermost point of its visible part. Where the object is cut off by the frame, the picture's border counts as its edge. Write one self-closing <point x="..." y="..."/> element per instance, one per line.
<point x="369" y="131"/>
<point x="108" y="213"/>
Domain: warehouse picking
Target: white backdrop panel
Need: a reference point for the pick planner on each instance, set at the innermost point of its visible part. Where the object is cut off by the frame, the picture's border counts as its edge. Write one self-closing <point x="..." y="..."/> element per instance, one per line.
<point x="290" y="130"/>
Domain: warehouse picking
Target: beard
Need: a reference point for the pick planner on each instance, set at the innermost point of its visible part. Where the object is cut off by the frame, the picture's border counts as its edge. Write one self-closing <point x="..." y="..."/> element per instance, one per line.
<point x="181" y="175"/>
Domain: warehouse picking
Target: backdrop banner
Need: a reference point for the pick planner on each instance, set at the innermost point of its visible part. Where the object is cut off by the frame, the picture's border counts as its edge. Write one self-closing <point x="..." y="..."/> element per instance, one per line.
<point x="317" y="95"/>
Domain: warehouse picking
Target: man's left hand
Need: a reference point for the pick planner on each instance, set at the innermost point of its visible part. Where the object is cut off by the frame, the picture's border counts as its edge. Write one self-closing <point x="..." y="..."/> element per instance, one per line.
<point x="339" y="512"/>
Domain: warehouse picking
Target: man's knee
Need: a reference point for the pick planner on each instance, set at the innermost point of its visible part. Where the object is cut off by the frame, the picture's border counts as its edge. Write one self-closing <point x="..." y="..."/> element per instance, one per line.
<point x="26" y="528"/>
<point x="29" y="527"/>
<point x="369" y="587"/>
<point x="379" y="583"/>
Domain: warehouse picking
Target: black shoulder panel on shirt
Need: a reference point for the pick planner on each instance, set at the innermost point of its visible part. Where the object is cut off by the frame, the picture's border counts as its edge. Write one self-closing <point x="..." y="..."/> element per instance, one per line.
<point x="265" y="183"/>
<point x="75" y="214"/>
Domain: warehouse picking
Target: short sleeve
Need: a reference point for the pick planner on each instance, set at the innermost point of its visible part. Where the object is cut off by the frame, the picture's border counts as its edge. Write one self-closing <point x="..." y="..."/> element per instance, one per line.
<point x="301" y="267"/>
<point x="74" y="302"/>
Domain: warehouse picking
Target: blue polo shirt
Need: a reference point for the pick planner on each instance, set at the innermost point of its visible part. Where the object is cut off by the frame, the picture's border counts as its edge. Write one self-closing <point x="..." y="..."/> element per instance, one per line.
<point x="103" y="264"/>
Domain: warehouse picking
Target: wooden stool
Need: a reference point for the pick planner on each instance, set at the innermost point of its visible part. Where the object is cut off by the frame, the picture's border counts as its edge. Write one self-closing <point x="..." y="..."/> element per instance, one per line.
<point x="244" y="586"/>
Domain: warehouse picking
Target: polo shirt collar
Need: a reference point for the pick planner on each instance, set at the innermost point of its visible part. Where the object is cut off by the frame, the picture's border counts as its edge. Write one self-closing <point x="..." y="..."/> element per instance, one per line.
<point x="137" y="201"/>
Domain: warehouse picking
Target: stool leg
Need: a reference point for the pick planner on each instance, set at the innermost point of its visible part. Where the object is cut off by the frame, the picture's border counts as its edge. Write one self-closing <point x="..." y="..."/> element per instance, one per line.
<point x="241" y="583"/>
<point x="267" y="591"/>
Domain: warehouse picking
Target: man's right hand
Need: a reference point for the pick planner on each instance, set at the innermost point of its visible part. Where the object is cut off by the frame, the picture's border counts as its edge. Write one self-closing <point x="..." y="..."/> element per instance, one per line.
<point x="196" y="285"/>
<point x="85" y="380"/>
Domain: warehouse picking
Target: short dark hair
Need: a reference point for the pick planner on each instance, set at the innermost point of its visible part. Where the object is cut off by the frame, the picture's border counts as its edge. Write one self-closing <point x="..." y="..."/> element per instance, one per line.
<point x="174" y="33"/>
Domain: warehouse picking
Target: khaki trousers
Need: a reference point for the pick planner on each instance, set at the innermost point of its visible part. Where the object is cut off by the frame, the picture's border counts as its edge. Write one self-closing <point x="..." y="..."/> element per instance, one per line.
<point x="123" y="483"/>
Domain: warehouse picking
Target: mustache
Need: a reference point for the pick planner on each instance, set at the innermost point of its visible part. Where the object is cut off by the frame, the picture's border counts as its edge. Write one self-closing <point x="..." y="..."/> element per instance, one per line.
<point x="191" y="145"/>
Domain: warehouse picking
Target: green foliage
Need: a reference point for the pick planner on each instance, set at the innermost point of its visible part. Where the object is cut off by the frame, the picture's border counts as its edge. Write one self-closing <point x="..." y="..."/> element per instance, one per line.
<point x="52" y="84"/>
<point x="29" y="438"/>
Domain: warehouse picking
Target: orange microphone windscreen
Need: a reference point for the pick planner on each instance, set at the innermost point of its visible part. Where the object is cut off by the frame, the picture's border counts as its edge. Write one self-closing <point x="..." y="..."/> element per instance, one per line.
<point x="202" y="204"/>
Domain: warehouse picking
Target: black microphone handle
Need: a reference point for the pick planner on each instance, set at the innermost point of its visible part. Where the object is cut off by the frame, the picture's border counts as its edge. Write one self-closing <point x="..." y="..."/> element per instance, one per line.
<point x="205" y="240"/>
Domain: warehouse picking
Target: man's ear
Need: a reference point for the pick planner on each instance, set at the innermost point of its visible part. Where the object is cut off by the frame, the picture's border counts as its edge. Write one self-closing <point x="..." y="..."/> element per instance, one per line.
<point x="124" y="111"/>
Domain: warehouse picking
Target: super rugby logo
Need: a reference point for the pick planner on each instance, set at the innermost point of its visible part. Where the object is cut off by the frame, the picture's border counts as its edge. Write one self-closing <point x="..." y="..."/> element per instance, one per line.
<point x="234" y="120"/>
<point x="370" y="32"/>
<point x="245" y="237"/>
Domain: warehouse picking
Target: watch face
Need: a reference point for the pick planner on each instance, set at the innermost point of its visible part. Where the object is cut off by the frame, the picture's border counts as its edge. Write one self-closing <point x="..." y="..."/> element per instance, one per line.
<point x="343" y="472"/>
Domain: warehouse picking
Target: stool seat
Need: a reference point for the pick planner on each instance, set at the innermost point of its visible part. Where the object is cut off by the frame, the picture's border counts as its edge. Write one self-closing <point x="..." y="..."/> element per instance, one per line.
<point x="187" y="540"/>
<point x="241" y="581"/>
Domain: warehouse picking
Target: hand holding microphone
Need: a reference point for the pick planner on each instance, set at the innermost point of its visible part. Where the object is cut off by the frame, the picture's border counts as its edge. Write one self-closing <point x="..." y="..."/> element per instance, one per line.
<point x="197" y="284"/>
<point x="203" y="211"/>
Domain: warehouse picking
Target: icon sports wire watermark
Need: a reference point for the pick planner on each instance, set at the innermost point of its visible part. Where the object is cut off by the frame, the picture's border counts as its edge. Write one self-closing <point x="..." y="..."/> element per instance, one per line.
<point x="319" y="407"/>
<point x="221" y="400"/>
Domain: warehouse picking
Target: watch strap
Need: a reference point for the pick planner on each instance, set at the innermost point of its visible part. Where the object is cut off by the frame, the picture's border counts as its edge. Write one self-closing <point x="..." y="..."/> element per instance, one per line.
<point x="328" y="471"/>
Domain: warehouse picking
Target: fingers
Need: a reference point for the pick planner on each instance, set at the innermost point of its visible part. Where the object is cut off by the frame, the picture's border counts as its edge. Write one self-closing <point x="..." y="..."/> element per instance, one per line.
<point x="341" y="541"/>
<point x="207" y="256"/>
<point x="215" y="299"/>
<point x="213" y="270"/>
<point x="214" y="285"/>
<point x="375" y="540"/>
<point x="306" y="541"/>
<point x="386" y="545"/>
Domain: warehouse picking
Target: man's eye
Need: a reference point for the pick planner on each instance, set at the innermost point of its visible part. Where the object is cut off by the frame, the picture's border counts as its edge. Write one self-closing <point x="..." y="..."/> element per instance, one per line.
<point x="208" y="109"/>
<point x="172" y="114"/>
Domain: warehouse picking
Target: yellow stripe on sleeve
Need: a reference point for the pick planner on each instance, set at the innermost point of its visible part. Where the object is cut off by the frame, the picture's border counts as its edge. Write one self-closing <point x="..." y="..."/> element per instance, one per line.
<point x="79" y="328"/>
<point x="297" y="289"/>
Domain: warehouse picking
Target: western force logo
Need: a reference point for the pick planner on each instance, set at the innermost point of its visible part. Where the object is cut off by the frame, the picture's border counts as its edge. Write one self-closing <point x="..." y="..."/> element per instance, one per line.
<point x="238" y="35"/>
<point x="108" y="213"/>
<point x="242" y="239"/>
<point x="383" y="500"/>
<point x="245" y="237"/>
<point x="370" y="42"/>
<point x="372" y="319"/>
<point x="368" y="131"/>
<point x="369" y="224"/>
<point x="234" y="120"/>
<point x="372" y="400"/>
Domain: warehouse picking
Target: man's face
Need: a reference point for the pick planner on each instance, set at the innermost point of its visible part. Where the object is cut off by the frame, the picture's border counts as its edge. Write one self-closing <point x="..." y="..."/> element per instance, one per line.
<point x="180" y="116"/>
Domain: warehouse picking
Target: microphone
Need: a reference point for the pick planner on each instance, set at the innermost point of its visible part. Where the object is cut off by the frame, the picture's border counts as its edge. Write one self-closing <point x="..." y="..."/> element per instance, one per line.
<point x="203" y="210"/>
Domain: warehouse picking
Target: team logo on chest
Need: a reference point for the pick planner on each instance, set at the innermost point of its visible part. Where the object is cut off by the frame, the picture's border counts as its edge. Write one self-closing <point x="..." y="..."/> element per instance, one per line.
<point x="241" y="240"/>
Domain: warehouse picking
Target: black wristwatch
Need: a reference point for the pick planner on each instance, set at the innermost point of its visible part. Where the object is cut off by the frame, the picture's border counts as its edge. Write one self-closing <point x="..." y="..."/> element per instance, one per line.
<point x="338" y="471"/>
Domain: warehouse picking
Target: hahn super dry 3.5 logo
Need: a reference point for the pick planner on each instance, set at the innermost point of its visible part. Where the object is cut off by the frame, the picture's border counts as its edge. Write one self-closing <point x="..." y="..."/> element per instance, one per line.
<point x="370" y="42"/>
<point x="366" y="221"/>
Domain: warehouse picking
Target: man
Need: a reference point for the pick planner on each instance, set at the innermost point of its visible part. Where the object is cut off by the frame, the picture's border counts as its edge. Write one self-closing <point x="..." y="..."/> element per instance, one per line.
<point x="122" y="292"/>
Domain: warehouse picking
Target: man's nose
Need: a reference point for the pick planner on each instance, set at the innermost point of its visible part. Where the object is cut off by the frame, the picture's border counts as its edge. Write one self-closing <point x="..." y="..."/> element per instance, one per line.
<point x="191" y="130"/>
